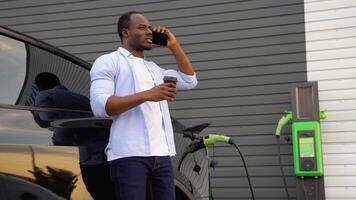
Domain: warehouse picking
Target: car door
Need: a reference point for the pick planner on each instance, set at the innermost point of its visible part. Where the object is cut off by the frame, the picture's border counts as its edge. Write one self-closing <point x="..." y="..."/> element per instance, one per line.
<point x="31" y="165"/>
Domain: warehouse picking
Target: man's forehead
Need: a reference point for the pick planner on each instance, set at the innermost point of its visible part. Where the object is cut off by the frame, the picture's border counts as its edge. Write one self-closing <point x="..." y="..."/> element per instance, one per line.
<point x="139" y="19"/>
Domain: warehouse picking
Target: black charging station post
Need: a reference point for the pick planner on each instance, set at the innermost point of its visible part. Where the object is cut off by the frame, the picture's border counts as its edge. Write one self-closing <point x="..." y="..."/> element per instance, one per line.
<point x="307" y="166"/>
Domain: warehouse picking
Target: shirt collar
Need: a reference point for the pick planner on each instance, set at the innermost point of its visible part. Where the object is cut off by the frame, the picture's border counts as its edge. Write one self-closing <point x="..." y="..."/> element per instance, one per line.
<point x="128" y="54"/>
<point x="125" y="52"/>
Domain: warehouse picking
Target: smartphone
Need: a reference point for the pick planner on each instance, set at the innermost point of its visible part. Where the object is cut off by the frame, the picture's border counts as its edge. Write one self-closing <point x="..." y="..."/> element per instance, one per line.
<point x="159" y="38"/>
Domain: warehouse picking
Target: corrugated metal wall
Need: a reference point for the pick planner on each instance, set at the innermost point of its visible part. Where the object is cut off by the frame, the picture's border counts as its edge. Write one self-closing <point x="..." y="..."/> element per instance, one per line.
<point x="331" y="56"/>
<point x="246" y="54"/>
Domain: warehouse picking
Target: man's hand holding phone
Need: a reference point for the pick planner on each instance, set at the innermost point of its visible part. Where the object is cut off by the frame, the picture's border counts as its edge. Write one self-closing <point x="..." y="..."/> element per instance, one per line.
<point x="163" y="37"/>
<point x="181" y="58"/>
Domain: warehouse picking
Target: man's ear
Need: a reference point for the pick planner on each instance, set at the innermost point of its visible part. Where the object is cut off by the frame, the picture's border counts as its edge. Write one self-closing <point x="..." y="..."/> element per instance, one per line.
<point x="125" y="33"/>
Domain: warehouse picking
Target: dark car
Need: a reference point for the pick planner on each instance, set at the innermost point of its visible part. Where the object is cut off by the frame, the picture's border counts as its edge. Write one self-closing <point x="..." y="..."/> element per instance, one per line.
<point x="35" y="166"/>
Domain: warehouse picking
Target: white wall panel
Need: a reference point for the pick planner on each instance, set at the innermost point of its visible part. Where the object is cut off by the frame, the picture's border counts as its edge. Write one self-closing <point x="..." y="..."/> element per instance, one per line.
<point x="331" y="64"/>
<point x="340" y="170"/>
<point x="330" y="28"/>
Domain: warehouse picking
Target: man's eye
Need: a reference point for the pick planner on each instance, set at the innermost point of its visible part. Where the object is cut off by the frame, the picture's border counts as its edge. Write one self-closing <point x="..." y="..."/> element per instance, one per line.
<point x="143" y="28"/>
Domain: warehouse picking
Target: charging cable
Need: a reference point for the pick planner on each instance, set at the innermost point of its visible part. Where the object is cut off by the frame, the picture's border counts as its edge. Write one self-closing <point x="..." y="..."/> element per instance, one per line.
<point x="210" y="140"/>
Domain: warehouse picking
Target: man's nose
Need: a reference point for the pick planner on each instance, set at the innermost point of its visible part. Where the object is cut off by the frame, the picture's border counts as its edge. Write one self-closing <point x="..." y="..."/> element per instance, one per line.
<point x="149" y="31"/>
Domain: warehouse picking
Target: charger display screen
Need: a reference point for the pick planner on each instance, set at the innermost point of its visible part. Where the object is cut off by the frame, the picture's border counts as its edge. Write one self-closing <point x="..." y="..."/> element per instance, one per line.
<point x="306" y="146"/>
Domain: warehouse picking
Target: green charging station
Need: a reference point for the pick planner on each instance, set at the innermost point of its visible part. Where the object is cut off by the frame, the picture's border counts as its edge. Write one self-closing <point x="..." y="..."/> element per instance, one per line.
<point x="306" y="138"/>
<point x="307" y="149"/>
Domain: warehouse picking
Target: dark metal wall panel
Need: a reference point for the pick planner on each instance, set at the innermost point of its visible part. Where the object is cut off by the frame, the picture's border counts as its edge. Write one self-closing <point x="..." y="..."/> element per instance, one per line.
<point x="246" y="53"/>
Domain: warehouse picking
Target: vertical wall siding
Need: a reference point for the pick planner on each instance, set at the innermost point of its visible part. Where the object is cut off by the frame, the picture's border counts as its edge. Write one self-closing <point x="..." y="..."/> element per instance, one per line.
<point x="246" y="54"/>
<point x="331" y="60"/>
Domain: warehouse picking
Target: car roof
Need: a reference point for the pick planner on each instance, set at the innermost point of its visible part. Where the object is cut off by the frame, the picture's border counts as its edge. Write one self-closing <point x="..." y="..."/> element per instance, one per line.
<point x="45" y="46"/>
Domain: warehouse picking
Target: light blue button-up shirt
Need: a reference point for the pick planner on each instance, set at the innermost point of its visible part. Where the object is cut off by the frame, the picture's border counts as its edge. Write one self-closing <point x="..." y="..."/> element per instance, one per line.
<point x="113" y="75"/>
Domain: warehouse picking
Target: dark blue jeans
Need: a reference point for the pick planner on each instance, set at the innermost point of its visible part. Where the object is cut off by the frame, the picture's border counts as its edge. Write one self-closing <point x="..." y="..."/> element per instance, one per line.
<point x="141" y="178"/>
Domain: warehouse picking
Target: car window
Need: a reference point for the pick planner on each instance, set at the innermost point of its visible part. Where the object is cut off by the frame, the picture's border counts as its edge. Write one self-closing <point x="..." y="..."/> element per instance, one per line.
<point x="12" y="69"/>
<point x="21" y="67"/>
<point x="73" y="77"/>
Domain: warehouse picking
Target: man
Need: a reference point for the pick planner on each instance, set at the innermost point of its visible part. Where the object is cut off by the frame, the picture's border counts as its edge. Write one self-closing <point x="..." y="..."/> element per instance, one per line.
<point x="91" y="142"/>
<point x="130" y="89"/>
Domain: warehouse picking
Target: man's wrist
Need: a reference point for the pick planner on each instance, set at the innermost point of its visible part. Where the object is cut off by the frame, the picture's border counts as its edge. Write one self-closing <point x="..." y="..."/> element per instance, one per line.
<point x="143" y="96"/>
<point x="175" y="46"/>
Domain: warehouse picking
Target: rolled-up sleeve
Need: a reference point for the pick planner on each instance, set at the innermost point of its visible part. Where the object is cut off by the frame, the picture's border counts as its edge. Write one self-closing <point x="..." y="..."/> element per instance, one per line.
<point x="102" y="76"/>
<point x="185" y="81"/>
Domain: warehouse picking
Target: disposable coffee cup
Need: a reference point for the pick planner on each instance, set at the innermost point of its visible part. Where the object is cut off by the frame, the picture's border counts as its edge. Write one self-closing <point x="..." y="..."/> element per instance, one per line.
<point x="170" y="79"/>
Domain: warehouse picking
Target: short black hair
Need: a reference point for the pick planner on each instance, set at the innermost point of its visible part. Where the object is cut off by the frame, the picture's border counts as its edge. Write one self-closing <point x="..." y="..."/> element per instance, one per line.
<point x="46" y="80"/>
<point x="124" y="21"/>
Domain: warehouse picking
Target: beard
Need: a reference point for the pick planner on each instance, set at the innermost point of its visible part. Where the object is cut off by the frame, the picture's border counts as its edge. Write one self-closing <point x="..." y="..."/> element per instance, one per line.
<point x="146" y="48"/>
<point x="142" y="47"/>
